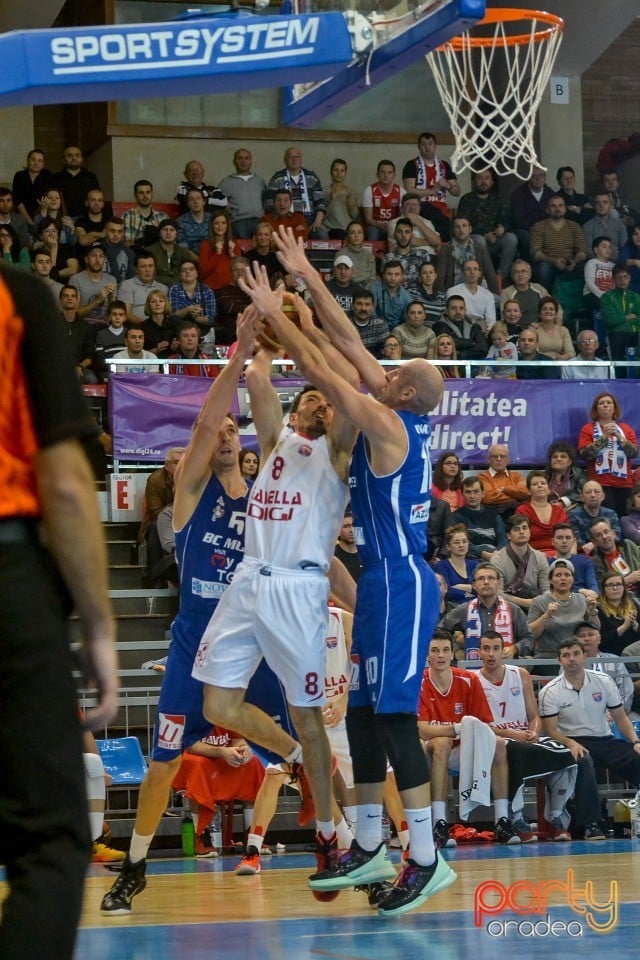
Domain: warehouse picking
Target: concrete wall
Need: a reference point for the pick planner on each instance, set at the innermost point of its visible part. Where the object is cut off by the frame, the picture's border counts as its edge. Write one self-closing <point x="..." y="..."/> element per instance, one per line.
<point x="610" y="104"/>
<point x="162" y="160"/>
<point x="561" y="134"/>
<point x="17" y="140"/>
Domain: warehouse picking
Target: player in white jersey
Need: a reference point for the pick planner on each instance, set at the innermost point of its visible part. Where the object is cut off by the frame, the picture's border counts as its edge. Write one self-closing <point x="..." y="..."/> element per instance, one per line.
<point x="509" y="692"/>
<point x="392" y="451"/>
<point x="512" y="700"/>
<point x="297" y="501"/>
<point x="276" y="606"/>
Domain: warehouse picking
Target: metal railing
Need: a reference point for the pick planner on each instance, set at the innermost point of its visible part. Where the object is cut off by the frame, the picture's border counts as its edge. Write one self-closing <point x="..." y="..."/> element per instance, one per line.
<point x="610" y="366"/>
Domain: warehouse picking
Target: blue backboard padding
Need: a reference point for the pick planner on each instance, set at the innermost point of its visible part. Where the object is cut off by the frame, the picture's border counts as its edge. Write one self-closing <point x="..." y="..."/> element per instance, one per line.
<point x="448" y="20"/>
<point x="176" y="58"/>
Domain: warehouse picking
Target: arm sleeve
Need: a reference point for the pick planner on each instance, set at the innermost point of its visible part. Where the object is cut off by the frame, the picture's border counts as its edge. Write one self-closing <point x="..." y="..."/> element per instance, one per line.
<point x="547" y="703"/>
<point x="454" y="620"/>
<point x="585" y="438"/>
<point x="491" y="309"/>
<point x="536" y="609"/>
<point x="613" y="694"/>
<point x="409" y="170"/>
<point x="211" y="309"/>
<point x="590" y="278"/>
<point x="58" y="406"/>
<point x="535" y="242"/>
<point x="318" y="202"/>
<point x="423" y="704"/>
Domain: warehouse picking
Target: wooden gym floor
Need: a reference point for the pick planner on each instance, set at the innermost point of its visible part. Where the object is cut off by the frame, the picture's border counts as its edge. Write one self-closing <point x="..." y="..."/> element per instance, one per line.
<point x="192" y="910"/>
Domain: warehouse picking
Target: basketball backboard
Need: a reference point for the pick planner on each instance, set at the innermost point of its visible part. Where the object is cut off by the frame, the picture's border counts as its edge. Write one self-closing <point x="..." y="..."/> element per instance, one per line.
<point x="386" y="35"/>
<point x="239" y="50"/>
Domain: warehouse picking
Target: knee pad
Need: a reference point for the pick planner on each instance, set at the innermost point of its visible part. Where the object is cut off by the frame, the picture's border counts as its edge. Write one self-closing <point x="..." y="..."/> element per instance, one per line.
<point x="94" y="776"/>
<point x="399" y="733"/>
<point x="368" y="754"/>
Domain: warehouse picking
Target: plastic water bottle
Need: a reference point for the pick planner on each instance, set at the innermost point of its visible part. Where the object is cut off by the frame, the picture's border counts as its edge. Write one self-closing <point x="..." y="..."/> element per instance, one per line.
<point x="188" y="831"/>
<point x="216" y="830"/>
<point x="622" y="819"/>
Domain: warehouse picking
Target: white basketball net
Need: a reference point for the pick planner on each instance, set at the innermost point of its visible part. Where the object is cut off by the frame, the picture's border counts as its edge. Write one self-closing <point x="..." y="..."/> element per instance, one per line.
<point x="492" y="128"/>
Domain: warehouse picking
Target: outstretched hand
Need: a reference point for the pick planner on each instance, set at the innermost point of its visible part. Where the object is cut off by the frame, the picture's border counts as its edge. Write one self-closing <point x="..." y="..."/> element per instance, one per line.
<point x="305" y="315"/>
<point x="267" y="302"/>
<point x="290" y="251"/>
<point x="248" y="327"/>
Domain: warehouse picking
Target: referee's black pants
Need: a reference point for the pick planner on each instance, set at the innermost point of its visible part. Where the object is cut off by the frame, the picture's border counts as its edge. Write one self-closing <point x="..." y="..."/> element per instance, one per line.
<point x="44" y="832"/>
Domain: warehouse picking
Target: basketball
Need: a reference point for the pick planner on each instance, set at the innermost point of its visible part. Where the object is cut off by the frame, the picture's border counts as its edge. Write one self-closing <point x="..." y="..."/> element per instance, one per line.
<point x="268" y="338"/>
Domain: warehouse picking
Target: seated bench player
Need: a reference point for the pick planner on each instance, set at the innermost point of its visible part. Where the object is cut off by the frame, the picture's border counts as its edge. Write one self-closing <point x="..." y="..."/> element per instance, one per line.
<point x="510" y="694"/>
<point x="218" y="768"/>
<point x="447" y="695"/>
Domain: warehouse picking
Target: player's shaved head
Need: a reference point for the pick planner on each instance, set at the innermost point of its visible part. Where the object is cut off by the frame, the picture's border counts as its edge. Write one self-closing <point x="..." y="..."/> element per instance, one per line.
<point x="427" y="383"/>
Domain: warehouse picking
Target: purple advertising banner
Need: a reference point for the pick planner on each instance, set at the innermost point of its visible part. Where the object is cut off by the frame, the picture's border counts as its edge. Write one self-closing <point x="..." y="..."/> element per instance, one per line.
<point x="150" y="413"/>
<point x="527" y="415"/>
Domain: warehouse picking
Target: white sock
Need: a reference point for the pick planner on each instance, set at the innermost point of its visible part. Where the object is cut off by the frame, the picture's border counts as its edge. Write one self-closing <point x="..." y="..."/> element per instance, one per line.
<point x="351" y="816"/>
<point x="423" y="851"/>
<point x="139" y="846"/>
<point x="95" y="790"/>
<point x="344" y="834"/>
<point x="438" y="810"/>
<point x="325" y="828"/>
<point x="369" y="826"/>
<point x="247" y="816"/>
<point x="296" y="755"/>
<point x="501" y="809"/>
<point x="96" y="823"/>
<point x="255" y="840"/>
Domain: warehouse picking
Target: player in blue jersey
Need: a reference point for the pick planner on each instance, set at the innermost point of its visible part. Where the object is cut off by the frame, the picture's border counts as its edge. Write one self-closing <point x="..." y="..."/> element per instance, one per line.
<point x="208" y="515"/>
<point x="397" y="599"/>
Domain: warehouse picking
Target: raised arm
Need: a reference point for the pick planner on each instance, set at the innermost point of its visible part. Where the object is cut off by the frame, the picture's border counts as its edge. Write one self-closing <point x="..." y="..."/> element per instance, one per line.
<point x="266" y="408"/>
<point x="341" y="332"/>
<point x="352" y="409"/>
<point x="194" y="470"/>
<point x="336" y="360"/>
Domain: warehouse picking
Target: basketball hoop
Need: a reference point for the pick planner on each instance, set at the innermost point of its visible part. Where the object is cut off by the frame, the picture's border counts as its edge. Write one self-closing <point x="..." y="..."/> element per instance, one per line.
<point x="491" y="83"/>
